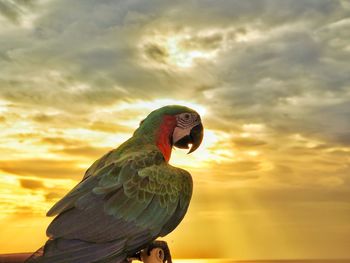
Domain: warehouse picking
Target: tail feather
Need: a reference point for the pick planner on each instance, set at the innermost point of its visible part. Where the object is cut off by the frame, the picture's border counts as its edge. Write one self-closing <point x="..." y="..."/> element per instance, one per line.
<point x="76" y="251"/>
<point x="35" y="256"/>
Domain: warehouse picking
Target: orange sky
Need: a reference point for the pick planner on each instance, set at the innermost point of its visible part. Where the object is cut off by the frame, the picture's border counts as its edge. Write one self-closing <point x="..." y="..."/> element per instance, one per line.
<point x="270" y="79"/>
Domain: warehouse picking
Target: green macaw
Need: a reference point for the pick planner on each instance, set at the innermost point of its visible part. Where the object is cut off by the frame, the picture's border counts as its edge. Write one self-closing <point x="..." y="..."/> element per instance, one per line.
<point x="127" y="198"/>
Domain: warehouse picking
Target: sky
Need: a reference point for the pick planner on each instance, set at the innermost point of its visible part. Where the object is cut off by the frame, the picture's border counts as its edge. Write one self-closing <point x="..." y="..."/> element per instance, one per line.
<point x="271" y="79"/>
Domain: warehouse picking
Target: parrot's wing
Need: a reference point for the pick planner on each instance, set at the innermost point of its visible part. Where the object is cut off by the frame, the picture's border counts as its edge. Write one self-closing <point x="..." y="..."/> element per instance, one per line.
<point x="85" y="186"/>
<point x="130" y="203"/>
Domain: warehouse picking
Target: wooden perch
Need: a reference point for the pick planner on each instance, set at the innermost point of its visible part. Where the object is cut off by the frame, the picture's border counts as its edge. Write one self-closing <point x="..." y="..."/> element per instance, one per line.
<point x="14" y="258"/>
<point x="156" y="252"/>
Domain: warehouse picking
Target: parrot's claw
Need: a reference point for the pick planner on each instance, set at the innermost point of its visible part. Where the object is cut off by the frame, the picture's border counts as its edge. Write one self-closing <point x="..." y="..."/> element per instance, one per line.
<point x="136" y="256"/>
<point x="155" y="252"/>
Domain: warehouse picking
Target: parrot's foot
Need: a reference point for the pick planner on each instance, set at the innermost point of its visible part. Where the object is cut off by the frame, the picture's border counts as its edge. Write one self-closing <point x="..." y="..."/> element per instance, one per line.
<point x="156" y="252"/>
<point x="136" y="256"/>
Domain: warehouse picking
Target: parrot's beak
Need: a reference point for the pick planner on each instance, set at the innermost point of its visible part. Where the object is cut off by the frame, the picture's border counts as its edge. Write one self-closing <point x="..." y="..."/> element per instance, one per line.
<point x="196" y="135"/>
<point x="193" y="137"/>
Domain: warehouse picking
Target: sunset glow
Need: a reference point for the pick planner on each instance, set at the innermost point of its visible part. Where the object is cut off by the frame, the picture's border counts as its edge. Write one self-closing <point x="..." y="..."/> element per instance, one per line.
<point x="269" y="79"/>
<point x="184" y="58"/>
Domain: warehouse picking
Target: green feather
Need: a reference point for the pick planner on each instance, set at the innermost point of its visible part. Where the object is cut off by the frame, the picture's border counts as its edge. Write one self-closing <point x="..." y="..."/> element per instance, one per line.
<point x="131" y="193"/>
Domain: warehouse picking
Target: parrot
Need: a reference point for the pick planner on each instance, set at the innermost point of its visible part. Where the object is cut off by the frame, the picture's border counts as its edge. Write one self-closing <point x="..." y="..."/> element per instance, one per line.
<point x="129" y="197"/>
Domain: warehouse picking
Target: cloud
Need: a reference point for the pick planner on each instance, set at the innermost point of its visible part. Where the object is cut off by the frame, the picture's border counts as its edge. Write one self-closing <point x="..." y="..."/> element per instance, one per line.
<point x="110" y="127"/>
<point x="88" y="151"/>
<point x="248" y="142"/>
<point x="43" y="168"/>
<point x="208" y="42"/>
<point x="43" y="118"/>
<point x="26" y="211"/>
<point x="31" y="184"/>
<point x="54" y="196"/>
<point x="157" y="53"/>
<point x="76" y="147"/>
<point x="103" y="61"/>
<point x="280" y="64"/>
<point x="13" y="10"/>
<point x="272" y="75"/>
<point x="61" y="141"/>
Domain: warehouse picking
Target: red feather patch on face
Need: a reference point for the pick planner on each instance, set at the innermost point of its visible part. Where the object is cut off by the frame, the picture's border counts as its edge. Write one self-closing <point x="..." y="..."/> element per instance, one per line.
<point x="165" y="132"/>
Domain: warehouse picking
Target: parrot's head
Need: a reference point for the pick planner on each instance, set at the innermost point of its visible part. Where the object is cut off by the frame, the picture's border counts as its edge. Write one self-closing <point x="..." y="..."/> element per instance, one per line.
<point x="173" y="125"/>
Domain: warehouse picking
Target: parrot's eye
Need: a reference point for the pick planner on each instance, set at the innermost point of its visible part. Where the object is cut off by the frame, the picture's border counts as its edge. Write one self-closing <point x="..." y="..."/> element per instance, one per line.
<point x="187" y="119"/>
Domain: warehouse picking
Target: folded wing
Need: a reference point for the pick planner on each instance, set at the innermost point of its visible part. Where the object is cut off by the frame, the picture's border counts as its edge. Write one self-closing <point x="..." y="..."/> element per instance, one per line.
<point x="120" y="208"/>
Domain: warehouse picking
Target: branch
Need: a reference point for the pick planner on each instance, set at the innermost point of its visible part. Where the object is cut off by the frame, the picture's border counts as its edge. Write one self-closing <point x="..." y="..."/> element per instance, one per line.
<point x="14" y="258"/>
<point x="156" y="252"/>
